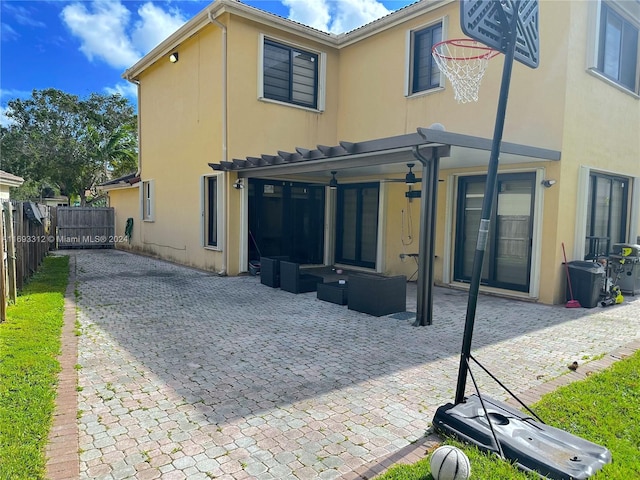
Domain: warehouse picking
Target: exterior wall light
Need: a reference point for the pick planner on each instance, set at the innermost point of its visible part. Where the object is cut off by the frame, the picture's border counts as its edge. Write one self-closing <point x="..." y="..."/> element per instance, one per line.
<point x="333" y="183"/>
<point x="410" y="177"/>
<point x="173" y="58"/>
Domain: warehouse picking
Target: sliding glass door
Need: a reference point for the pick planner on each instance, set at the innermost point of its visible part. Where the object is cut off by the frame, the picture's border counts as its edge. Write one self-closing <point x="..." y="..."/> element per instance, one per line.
<point x="286" y="218"/>
<point x="357" y="224"/>
<point x="606" y="214"/>
<point x="507" y="260"/>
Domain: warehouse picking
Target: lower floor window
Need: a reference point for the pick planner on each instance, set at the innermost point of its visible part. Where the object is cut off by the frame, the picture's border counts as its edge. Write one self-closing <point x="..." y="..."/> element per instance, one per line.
<point x="211" y="214"/>
<point x="147" y="200"/>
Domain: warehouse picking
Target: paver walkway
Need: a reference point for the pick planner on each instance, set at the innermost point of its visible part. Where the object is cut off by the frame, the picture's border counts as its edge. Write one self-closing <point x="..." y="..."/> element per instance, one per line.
<point x="189" y="375"/>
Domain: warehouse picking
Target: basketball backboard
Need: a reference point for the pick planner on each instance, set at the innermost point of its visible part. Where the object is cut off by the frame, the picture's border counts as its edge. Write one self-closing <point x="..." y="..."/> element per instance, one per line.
<point x="483" y="20"/>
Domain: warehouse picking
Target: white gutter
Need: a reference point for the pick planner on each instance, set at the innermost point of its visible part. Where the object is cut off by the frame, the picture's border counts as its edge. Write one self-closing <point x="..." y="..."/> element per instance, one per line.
<point x="239" y="9"/>
<point x="225" y="135"/>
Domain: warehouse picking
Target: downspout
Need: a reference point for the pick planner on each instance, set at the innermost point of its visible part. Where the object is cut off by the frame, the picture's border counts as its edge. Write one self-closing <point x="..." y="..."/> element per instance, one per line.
<point x="223" y="28"/>
<point x="139" y="171"/>
<point x="137" y="84"/>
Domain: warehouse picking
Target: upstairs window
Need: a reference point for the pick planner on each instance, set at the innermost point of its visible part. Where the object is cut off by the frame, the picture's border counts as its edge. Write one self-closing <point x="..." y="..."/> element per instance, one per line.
<point x="617" y="48"/>
<point x="290" y="74"/>
<point x="425" y="73"/>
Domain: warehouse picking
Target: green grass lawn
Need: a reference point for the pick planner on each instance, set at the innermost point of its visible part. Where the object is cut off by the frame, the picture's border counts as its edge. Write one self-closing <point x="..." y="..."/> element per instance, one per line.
<point x="29" y="346"/>
<point x="604" y="408"/>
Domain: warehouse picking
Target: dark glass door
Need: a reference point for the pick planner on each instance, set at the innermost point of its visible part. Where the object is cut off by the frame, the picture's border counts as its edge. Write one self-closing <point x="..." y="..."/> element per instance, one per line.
<point x="286" y="218"/>
<point x="507" y="260"/>
<point x="606" y="214"/>
<point x="357" y="224"/>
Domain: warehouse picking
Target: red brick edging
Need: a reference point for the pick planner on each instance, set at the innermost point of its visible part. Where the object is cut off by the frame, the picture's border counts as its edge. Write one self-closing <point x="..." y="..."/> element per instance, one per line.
<point x="63" y="457"/>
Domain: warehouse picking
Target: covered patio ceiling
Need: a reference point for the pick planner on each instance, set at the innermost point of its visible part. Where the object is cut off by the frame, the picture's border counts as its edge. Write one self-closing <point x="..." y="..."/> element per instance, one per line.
<point x="389" y="156"/>
<point x="382" y="157"/>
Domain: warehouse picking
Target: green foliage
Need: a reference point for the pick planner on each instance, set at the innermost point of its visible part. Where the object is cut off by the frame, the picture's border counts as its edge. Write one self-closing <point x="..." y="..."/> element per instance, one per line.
<point x="73" y="144"/>
<point x="604" y="408"/>
<point x="29" y="346"/>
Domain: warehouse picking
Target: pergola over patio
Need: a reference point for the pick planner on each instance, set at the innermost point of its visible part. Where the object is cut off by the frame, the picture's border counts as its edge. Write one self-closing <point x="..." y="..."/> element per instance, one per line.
<point x="389" y="155"/>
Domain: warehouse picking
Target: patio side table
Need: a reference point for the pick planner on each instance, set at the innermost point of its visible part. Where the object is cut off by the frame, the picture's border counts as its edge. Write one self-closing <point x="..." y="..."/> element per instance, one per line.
<point x="333" y="292"/>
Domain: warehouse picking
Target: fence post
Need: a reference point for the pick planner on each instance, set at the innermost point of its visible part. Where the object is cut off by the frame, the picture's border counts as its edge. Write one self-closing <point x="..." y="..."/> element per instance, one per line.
<point x="11" y="250"/>
<point x="20" y="262"/>
<point x="3" y="295"/>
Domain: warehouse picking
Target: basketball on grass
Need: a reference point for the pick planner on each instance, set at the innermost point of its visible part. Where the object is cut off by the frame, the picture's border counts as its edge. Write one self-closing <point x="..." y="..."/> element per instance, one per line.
<point x="450" y="463"/>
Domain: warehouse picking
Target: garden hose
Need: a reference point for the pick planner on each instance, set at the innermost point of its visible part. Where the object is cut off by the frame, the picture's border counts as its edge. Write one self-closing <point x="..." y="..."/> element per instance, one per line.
<point x="128" y="229"/>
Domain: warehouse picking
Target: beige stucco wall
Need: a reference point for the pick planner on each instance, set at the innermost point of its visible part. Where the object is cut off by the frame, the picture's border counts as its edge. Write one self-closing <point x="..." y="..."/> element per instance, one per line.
<point x="181" y="131"/>
<point x="126" y="204"/>
<point x="263" y="126"/>
<point x="600" y="131"/>
<point x="374" y="74"/>
<point x="373" y="77"/>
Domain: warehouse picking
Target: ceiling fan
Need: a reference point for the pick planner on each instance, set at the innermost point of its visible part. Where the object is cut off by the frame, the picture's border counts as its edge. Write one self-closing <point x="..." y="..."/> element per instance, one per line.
<point x="410" y="178"/>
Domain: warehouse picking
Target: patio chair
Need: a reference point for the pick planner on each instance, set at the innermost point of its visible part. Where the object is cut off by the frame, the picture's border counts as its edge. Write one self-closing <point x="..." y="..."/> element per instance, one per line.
<point x="292" y="280"/>
<point x="270" y="270"/>
<point x="377" y="295"/>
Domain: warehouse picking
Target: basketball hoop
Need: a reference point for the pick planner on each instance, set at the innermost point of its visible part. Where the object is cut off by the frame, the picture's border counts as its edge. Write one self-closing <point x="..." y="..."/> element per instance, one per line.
<point x="464" y="62"/>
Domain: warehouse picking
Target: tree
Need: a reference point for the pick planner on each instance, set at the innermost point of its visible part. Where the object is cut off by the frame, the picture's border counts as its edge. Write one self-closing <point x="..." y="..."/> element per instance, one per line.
<point x="74" y="144"/>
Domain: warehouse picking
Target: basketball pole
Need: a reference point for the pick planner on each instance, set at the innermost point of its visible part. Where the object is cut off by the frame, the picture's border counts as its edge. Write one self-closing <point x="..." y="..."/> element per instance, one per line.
<point x="487" y="202"/>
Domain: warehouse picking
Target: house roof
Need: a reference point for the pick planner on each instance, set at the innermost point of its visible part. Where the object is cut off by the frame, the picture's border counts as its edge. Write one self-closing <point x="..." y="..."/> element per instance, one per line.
<point x="235" y="7"/>
<point x="10" y="179"/>
<point x="124" y="181"/>
<point x="369" y="157"/>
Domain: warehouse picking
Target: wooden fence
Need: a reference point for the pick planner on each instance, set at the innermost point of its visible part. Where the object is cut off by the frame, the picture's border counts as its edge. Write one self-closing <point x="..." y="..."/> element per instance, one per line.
<point x="85" y="227"/>
<point x="26" y="236"/>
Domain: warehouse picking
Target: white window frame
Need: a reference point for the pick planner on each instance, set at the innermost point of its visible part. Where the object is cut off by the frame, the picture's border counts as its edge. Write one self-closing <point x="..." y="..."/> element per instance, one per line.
<point x="593" y="46"/>
<point x="408" y="59"/>
<point x="204" y="211"/>
<point x="322" y="73"/>
<point x="147" y="200"/>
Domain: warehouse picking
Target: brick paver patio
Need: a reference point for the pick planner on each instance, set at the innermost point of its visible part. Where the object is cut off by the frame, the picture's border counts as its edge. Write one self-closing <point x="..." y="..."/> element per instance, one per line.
<point x="189" y="375"/>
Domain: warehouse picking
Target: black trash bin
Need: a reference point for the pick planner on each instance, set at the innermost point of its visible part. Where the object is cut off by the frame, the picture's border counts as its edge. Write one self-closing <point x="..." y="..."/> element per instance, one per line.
<point x="587" y="280"/>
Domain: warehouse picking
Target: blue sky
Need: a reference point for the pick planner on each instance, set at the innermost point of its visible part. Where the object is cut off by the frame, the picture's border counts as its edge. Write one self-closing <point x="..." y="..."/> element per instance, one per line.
<point x="82" y="47"/>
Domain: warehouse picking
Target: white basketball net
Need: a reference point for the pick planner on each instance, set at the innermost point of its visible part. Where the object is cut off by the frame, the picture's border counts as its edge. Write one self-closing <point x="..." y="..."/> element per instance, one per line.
<point x="464" y="62"/>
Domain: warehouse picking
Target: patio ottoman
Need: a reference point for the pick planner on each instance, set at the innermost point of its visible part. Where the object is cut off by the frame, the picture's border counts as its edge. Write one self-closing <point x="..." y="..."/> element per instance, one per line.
<point x="333" y="292"/>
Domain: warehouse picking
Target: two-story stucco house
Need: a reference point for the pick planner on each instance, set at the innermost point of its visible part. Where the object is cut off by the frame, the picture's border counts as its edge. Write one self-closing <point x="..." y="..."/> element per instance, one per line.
<point x="240" y="89"/>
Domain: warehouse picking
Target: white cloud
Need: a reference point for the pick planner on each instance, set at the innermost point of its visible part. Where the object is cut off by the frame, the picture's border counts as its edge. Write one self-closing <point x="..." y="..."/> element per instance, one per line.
<point x="102" y="31"/>
<point x="4" y="120"/>
<point x="154" y="26"/>
<point x="314" y="13"/>
<point x="338" y="16"/>
<point x="23" y="15"/>
<point x="350" y="14"/>
<point x="105" y="31"/>
<point x="8" y="33"/>
<point x="126" y="89"/>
